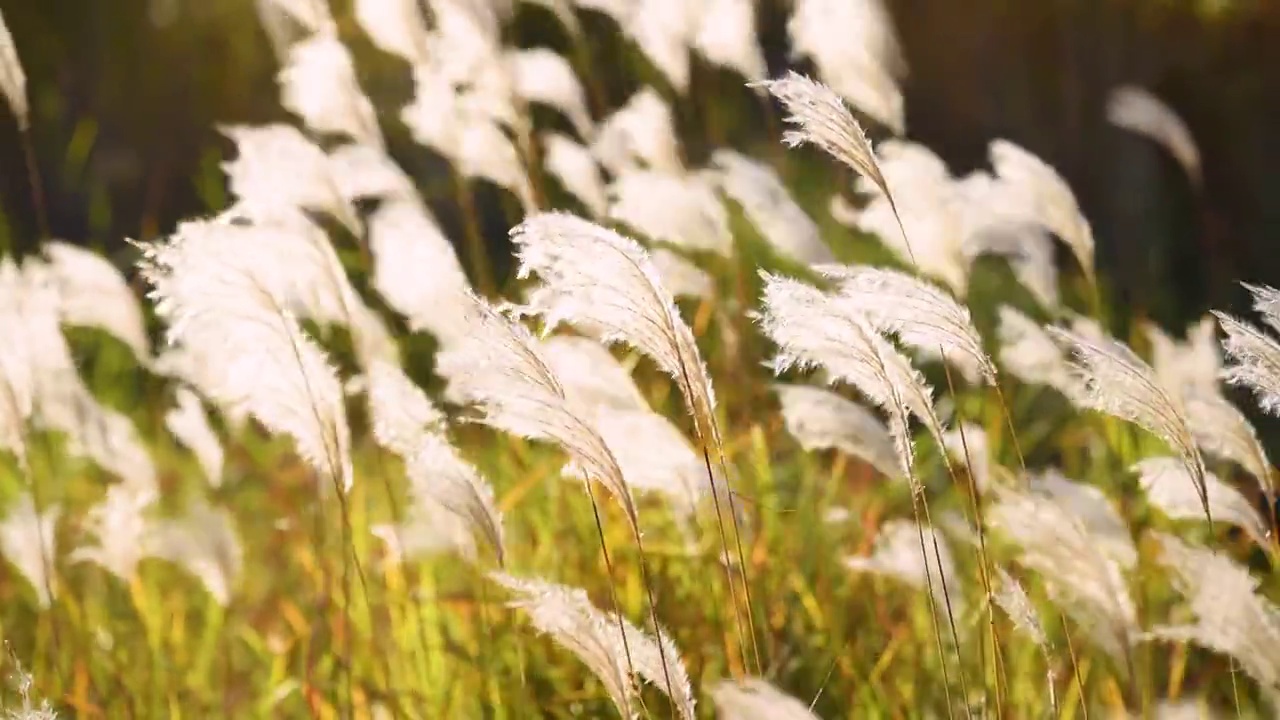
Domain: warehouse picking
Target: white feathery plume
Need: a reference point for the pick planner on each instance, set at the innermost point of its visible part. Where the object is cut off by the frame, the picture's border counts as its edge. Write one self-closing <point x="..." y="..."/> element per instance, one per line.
<point x="91" y="292"/>
<point x="318" y="84"/>
<point x="855" y="48"/>
<point x="726" y="36"/>
<point x="192" y="370"/>
<point x="990" y="229"/>
<point x="117" y="527"/>
<point x="663" y="29"/>
<point x="571" y="256"/>
<point x="1231" y="617"/>
<point x="1030" y="354"/>
<point x="202" y="541"/>
<point x="1012" y="599"/>
<point x="1092" y="508"/>
<point x="573" y="166"/>
<point x="370" y="336"/>
<point x="767" y="203"/>
<point x="29" y="542"/>
<point x="497" y="367"/>
<point x="224" y="303"/>
<point x="278" y="171"/>
<point x="969" y="445"/>
<point x="416" y="270"/>
<point x="13" y="81"/>
<point x="395" y="26"/>
<point x="918" y="313"/>
<point x="680" y="276"/>
<point x="1191" y="364"/>
<point x="1030" y="189"/>
<point x="682" y="210"/>
<point x="287" y="21"/>
<point x="1189" y="709"/>
<point x="485" y="152"/>
<point x="1117" y="382"/>
<point x="820" y="419"/>
<point x="450" y="501"/>
<point x="1085" y="582"/>
<point x="896" y="554"/>
<point x="1164" y="480"/>
<point x="1221" y="430"/>
<point x="540" y="75"/>
<point x="189" y="424"/>
<point x="756" y="699"/>
<point x="600" y="640"/>
<point x="641" y="133"/>
<point x="815" y="329"/>
<point x="25" y="315"/>
<point x="401" y="412"/>
<point x="821" y="119"/>
<point x="655" y="457"/>
<point x="1254" y="354"/>
<point x="590" y="374"/>
<point x="1137" y="110"/>
<point x="450" y="504"/>
<point x="366" y="171"/>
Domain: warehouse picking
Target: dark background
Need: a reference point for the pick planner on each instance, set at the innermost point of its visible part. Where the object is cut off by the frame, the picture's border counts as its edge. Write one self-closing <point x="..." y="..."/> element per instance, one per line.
<point x="126" y="95"/>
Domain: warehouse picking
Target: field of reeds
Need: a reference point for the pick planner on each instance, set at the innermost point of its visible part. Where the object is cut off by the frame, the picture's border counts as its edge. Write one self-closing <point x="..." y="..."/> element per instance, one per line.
<point x="803" y="427"/>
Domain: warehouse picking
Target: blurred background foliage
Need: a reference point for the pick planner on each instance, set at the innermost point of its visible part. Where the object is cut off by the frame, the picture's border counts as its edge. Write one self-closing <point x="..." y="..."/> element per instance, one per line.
<point x="127" y="97"/>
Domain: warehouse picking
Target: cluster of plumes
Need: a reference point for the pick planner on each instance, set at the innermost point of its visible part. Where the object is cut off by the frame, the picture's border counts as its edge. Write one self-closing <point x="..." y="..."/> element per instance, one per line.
<point x="615" y="651"/>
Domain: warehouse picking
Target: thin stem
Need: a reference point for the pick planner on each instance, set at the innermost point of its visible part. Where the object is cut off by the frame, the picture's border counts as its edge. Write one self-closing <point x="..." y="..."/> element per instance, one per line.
<point x="613" y="590"/>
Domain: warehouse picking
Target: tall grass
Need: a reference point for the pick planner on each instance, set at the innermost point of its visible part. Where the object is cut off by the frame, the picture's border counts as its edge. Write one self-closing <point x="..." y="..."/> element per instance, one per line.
<point x="344" y="481"/>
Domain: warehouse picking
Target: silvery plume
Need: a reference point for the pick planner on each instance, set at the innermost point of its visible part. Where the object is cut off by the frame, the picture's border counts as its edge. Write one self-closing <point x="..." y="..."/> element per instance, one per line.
<point x="641" y="133"/>
<point x="395" y="26"/>
<point x="813" y="329"/>
<point x="28" y="540"/>
<point x="726" y="36"/>
<point x="1117" y="382"/>
<point x="1230" y="615"/>
<point x="612" y="648"/>
<point x="91" y="292"/>
<point x="819" y="118"/>
<point x="203" y="541"/>
<point x="1254" y="354"/>
<point x="416" y="269"/>
<point x="1093" y="509"/>
<point x="680" y="276"/>
<point x="229" y="307"/>
<point x="279" y="171"/>
<point x="13" y="81"/>
<point x="663" y="30"/>
<point x="1085" y="582"/>
<point x="820" y="419"/>
<point x="187" y="421"/>
<point x="590" y="374"/>
<point x="318" y="84"/>
<point x="1164" y="480"/>
<point x="918" y="313"/>
<point x="449" y="499"/>
<point x="767" y="203"/>
<point x="26" y="314"/>
<point x="756" y="699"/>
<point x="541" y="75"/>
<point x="497" y="368"/>
<point x="1222" y="431"/>
<point x="856" y="50"/>
<point x="365" y="172"/>
<point x="899" y="553"/>
<point x="1029" y="353"/>
<point x="680" y="209"/>
<point x="117" y="529"/>
<point x="1029" y="189"/>
<point x="1137" y="110"/>
<point x="605" y="285"/>
<point x="575" y="168"/>
<point x="968" y="444"/>
<point x="1190" y="364"/>
<point x="990" y="229"/>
